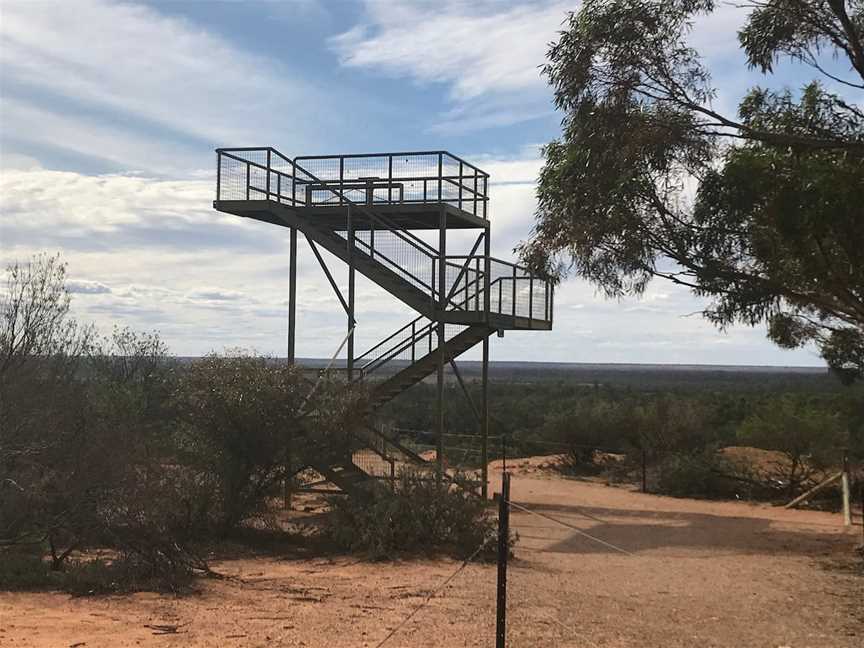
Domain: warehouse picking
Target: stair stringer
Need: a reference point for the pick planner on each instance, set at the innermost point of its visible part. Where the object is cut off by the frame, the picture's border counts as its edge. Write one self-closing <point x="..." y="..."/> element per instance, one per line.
<point x="425" y="366"/>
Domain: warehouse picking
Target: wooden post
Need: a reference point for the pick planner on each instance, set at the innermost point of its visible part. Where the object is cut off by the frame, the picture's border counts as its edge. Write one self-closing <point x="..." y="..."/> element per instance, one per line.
<point x="844" y="480"/>
<point x="503" y="555"/>
<point x="813" y="490"/>
<point x="862" y="514"/>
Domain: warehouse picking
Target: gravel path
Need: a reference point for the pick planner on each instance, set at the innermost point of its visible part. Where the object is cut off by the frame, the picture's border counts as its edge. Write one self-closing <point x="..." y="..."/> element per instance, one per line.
<point x="702" y="574"/>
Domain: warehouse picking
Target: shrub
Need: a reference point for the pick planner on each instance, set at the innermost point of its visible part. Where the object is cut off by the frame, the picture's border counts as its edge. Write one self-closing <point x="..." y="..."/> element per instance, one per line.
<point x="417" y="515"/>
<point x="701" y="474"/>
<point x="811" y="438"/>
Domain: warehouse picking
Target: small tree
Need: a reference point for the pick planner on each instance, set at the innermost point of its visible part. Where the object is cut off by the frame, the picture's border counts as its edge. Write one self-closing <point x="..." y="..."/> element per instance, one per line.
<point x="50" y="472"/>
<point x="809" y="437"/>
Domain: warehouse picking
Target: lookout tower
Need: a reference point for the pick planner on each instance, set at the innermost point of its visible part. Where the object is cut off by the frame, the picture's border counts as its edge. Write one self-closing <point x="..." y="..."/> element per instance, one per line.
<point x="387" y="216"/>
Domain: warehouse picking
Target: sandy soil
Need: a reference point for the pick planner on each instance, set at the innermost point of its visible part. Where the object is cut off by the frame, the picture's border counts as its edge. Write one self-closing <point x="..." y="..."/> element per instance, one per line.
<point x="701" y="574"/>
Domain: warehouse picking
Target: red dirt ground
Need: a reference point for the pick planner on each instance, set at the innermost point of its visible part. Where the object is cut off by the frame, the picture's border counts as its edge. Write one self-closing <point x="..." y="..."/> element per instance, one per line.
<point x="704" y="574"/>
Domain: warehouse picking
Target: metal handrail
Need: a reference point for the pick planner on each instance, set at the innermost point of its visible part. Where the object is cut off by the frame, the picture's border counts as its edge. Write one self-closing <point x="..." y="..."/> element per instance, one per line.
<point x="468" y="175"/>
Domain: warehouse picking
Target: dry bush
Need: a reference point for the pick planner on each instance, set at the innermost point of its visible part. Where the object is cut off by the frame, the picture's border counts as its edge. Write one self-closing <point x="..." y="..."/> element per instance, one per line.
<point x="418" y="516"/>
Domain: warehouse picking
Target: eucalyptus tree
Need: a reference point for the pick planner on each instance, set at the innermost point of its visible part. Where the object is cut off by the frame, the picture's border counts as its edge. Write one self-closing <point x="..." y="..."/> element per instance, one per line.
<point x="760" y="211"/>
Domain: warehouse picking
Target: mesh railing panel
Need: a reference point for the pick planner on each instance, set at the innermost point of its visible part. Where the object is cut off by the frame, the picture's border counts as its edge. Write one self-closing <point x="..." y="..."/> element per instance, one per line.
<point x="411" y="178"/>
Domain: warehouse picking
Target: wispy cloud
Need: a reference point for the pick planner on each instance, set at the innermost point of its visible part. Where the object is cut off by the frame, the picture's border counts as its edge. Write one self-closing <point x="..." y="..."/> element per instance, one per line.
<point x="486" y="53"/>
<point x="120" y="72"/>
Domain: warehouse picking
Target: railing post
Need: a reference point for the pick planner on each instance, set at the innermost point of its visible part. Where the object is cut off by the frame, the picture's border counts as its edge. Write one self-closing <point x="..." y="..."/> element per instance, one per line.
<point x="440" y="174"/>
<point x="341" y="178"/>
<point x="530" y="299"/>
<point x="485" y="189"/>
<point x="413" y="340"/>
<point x="475" y="193"/>
<point x="487" y="270"/>
<point x="248" y="176"/>
<point x="513" y="305"/>
<point x="218" y="175"/>
<point x="460" y="184"/>
<point x="279" y="188"/>
<point x="390" y="178"/>
<point x="267" y="184"/>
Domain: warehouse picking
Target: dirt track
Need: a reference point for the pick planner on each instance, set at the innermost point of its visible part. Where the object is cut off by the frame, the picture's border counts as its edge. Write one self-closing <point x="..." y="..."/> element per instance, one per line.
<point x="703" y="574"/>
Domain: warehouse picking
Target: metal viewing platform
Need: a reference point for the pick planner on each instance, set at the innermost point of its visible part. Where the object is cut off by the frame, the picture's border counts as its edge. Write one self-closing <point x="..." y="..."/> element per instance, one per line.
<point x="372" y="211"/>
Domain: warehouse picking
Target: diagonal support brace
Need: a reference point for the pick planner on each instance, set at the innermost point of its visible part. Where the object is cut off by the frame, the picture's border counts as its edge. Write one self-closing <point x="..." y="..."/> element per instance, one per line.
<point x="470" y="400"/>
<point x="329" y="277"/>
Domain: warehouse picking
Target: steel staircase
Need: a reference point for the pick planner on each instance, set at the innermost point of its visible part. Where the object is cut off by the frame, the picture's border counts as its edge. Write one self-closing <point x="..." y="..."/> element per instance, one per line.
<point x="364" y="210"/>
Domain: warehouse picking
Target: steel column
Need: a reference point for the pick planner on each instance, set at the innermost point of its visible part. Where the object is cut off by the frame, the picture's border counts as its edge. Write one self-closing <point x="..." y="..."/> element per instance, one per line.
<point x="351" y="324"/>
<point x="484" y="425"/>
<point x="292" y="295"/>
<point x="442" y="305"/>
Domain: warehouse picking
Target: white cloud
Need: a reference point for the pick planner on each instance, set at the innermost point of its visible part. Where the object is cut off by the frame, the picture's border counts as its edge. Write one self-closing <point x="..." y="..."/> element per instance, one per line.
<point x="151" y="69"/>
<point x="489" y="54"/>
<point x="481" y="51"/>
<point x="152" y="254"/>
<point x="86" y="287"/>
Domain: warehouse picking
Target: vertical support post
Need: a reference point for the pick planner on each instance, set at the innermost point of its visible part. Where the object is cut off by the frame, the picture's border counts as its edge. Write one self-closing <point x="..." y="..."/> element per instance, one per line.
<point x="268" y="174"/>
<point x="248" y="178"/>
<point x="503" y="555"/>
<point x="484" y="424"/>
<point x="847" y="507"/>
<point x="487" y="298"/>
<point x="292" y="333"/>
<point x="442" y="305"/>
<point x="530" y="299"/>
<point x="350" y="296"/>
<point x="292" y="295"/>
<point x="351" y="320"/>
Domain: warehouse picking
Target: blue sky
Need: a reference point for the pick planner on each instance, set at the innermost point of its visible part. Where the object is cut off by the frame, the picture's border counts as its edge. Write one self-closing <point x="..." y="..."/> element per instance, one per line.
<point x="109" y="114"/>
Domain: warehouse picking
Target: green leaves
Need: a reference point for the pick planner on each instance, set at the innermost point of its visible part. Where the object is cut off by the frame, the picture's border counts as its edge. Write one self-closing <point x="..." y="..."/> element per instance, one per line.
<point x="775" y="226"/>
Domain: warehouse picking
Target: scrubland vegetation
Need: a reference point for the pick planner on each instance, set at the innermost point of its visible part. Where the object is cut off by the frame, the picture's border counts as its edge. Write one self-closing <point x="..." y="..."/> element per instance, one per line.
<point x="121" y="468"/>
<point x="803" y="423"/>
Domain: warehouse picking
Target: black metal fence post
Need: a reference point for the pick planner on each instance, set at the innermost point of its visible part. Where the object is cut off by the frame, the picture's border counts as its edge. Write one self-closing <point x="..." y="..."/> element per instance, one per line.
<point x="503" y="555"/>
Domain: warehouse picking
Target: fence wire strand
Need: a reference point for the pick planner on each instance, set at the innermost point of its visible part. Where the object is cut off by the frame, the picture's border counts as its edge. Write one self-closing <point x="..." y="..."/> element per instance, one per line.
<point x="432" y="594"/>
<point x="573" y="528"/>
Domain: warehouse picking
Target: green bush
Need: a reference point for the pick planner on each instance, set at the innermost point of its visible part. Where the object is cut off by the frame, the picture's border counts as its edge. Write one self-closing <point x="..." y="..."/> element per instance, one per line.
<point x="417" y="515"/>
<point x="702" y="474"/>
